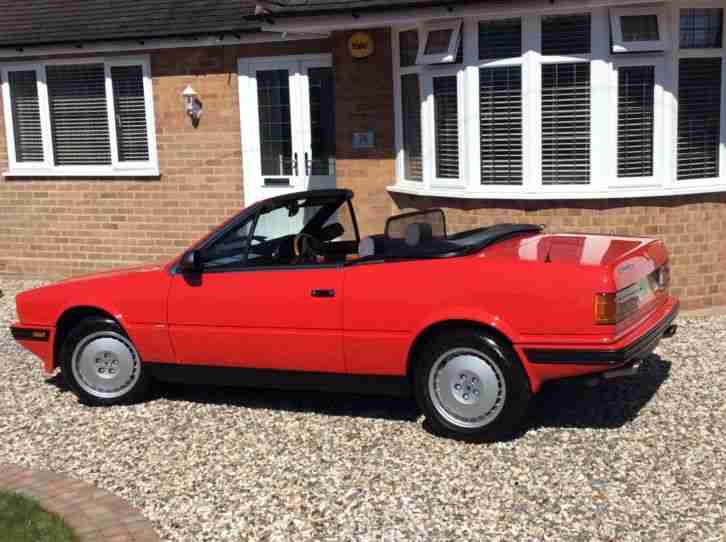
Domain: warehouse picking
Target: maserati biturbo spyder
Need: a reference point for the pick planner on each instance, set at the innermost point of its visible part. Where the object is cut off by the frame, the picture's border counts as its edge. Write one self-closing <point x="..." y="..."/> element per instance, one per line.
<point x="287" y="295"/>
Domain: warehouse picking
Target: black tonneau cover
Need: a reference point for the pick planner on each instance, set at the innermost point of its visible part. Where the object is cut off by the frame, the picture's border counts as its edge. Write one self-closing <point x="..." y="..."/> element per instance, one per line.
<point x="422" y="234"/>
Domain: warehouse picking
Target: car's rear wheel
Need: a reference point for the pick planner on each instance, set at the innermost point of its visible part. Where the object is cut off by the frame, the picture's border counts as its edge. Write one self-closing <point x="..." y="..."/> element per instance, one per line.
<point x="102" y="365"/>
<point x="471" y="386"/>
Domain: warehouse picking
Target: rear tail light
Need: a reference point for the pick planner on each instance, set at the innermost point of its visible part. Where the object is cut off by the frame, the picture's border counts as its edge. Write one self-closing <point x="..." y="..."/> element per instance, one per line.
<point x="611" y="308"/>
<point x="606" y="309"/>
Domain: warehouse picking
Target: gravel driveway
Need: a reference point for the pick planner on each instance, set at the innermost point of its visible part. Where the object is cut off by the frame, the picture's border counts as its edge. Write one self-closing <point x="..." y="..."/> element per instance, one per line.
<point x="643" y="458"/>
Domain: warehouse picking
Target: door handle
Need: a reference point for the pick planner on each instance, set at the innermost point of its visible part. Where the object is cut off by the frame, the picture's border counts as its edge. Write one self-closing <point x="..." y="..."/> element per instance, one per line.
<point x="322" y="293"/>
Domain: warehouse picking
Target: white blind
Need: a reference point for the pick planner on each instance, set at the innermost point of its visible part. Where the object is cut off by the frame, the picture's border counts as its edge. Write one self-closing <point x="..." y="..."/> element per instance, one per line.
<point x="130" y="109"/>
<point x="79" y="118"/>
<point x="500" y="116"/>
<point x="446" y="120"/>
<point x="411" y="111"/>
<point x="26" y="116"/>
<point x="636" y="89"/>
<point x="699" y="117"/>
<point x="566" y="123"/>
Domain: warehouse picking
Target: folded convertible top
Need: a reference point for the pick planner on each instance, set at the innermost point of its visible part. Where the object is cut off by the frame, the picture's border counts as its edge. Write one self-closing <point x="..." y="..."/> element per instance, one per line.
<point x="423" y="235"/>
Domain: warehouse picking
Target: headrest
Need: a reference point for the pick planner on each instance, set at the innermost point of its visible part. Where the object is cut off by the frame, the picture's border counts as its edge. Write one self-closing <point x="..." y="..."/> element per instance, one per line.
<point x="368" y="246"/>
<point x="417" y="233"/>
<point x="331" y="231"/>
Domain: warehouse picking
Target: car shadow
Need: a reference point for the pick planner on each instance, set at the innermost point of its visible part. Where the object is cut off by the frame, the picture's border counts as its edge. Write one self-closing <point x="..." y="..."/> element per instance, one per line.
<point x="571" y="403"/>
<point x="568" y="403"/>
<point x="314" y="402"/>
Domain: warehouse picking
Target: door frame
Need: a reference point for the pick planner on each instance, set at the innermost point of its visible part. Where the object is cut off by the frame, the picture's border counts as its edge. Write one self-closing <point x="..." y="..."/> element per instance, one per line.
<point x="254" y="187"/>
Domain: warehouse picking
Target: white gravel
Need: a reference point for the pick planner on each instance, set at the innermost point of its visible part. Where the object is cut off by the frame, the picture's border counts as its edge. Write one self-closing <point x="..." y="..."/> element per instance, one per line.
<point x="642" y="458"/>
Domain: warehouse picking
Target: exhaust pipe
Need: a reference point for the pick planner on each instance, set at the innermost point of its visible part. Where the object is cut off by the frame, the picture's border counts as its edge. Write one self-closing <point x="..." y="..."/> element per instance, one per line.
<point x="670" y="331"/>
<point x="629" y="370"/>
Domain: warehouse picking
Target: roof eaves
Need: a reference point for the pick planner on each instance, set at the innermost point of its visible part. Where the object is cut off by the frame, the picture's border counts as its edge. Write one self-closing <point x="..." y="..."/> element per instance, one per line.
<point x="268" y="9"/>
<point x="140" y="38"/>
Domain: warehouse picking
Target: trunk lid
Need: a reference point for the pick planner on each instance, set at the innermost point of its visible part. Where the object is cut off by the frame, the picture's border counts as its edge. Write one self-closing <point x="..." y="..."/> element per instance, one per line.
<point x="635" y="269"/>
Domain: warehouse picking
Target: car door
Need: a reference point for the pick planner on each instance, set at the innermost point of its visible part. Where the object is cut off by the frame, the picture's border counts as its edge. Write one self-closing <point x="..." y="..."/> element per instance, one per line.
<point x="260" y="316"/>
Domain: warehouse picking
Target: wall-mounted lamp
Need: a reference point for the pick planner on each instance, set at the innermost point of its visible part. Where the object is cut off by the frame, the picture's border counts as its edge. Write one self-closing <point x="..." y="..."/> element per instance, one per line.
<point x="192" y="104"/>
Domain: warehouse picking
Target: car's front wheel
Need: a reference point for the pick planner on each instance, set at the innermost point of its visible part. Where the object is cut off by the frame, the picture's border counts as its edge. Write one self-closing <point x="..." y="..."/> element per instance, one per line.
<point x="471" y="386"/>
<point x="101" y="364"/>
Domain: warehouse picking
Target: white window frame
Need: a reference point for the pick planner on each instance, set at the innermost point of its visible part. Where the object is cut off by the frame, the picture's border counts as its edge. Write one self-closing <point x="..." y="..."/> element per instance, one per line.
<point x="622" y="46"/>
<point x="659" y="154"/>
<point x="696" y="185"/>
<point x="439" y="58"/>
<point x="399" y="72"/>
<point x="47" y="167"/>
<point x="430" y="158"/>
<point x="604" y="64"/>
<point x="474" y="64"/>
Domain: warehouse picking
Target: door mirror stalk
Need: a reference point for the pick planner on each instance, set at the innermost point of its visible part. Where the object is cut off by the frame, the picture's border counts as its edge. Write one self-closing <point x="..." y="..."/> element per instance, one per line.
<point x="191" y="262"/>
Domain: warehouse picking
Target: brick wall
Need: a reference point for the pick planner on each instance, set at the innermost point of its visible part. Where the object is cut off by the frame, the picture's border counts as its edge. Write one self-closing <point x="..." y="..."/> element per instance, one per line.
<point x="56" y="227"/>
<point x="364" y="102"/>
<point x="693" y="228"/>
<point x="61" y="227"/>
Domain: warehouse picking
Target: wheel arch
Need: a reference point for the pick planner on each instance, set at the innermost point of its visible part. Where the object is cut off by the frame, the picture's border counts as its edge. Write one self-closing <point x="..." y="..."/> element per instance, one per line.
<point x="444" y="326"/>
<point x="69" y="319"/>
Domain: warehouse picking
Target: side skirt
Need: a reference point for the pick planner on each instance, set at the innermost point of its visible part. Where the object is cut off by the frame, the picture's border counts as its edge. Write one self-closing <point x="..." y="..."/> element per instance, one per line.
<point x="396" y="386"/>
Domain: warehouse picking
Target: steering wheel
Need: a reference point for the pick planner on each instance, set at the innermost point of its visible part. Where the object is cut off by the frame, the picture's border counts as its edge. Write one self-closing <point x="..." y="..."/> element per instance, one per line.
<point x="305" y="246"/>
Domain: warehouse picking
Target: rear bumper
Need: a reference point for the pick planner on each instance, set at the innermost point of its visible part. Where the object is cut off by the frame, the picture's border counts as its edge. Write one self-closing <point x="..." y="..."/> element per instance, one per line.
<point x="636" y="350"/>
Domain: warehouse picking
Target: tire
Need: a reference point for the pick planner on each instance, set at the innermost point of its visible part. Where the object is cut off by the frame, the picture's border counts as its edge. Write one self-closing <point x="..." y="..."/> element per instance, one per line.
<point x="101" y="365"/>
<point x="471" y="387"/>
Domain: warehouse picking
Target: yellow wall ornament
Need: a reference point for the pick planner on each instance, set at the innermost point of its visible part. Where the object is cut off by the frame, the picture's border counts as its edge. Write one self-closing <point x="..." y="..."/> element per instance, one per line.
<point x="360" y="45"/>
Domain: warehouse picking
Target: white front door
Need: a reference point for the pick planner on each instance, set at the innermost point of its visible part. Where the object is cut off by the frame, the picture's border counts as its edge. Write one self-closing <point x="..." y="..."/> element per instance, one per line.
<point x="287" y="108"/>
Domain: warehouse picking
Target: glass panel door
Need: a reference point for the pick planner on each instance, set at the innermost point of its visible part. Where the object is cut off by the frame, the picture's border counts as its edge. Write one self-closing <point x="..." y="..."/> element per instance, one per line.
<point x="287" y="107"/>
<point x="320" y="135"/>
<point x="275" y="126"/>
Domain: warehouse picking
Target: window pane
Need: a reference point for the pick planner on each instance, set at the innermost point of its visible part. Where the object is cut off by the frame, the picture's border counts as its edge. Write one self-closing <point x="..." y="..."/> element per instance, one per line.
<point x="566" y="123"/>
<point x="411" y="112"/>
<point x="322" y="121"/>
<point x="273" y="99"/>
<point x="26" y="116"/>
<point x="408" y="44"/>
<point x="699" y="117"/>
<point x="437" y="42"/>
<point x="500" y="114"/>
<point x="701" y="28"/>
<point x="566" y="35"/>
<point x="636" y="88"/>
<point x="130" y="108"/>
<point x="639" y="27"/>
<point x="446" y="121"/>
<point x="78" y="114"/>
<point x="500" y="39"/>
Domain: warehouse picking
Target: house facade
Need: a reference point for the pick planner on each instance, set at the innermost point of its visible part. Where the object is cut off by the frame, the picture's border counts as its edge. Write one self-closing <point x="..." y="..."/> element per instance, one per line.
<point x="602" y="116"/>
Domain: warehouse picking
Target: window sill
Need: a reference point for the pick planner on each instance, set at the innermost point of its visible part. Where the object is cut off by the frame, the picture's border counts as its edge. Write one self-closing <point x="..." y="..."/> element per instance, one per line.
<point x="104" y="173"/>
<point x="577" y="192"/>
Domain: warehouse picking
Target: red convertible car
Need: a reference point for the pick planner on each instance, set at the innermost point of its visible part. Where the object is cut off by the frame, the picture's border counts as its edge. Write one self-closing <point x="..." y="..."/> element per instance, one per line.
<point x="286" y="295"/>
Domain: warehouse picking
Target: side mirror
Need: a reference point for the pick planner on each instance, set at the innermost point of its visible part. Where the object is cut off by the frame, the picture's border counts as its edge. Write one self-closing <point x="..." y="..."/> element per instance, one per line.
<point x="191" y="262"/>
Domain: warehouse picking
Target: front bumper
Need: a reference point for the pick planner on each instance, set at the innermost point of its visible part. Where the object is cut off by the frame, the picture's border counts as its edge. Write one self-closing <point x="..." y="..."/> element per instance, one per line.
<point x="38" y="339"/>
<point x="29" y="333"/>
<point x="637" y="350"/>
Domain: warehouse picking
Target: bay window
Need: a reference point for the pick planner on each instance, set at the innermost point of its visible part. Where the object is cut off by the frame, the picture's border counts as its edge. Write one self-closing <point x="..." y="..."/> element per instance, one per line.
<point x="546" y="106"/>
<point x="90" y="117"/>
